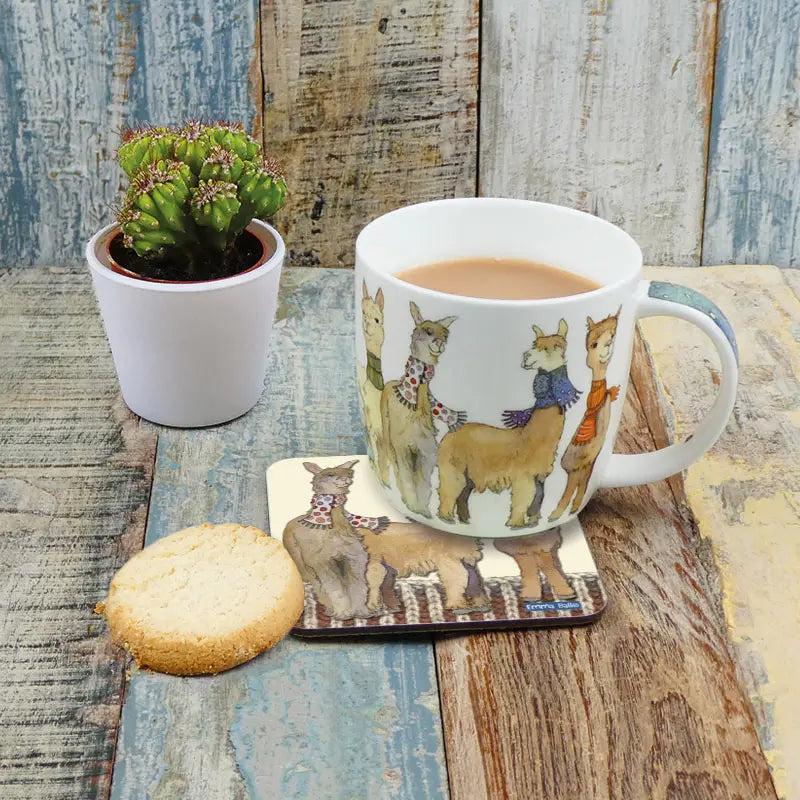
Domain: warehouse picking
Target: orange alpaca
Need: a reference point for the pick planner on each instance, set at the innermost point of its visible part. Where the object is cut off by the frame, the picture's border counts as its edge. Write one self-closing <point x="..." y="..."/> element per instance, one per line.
<point x="584" y="448"/>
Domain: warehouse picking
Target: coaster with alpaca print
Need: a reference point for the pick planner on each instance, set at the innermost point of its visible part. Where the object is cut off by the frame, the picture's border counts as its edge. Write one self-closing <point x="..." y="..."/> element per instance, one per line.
<point x="368" y="569"/>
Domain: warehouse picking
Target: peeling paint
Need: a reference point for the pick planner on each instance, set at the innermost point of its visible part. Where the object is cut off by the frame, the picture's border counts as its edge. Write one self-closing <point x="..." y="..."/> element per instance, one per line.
<point x="745" y="493"/>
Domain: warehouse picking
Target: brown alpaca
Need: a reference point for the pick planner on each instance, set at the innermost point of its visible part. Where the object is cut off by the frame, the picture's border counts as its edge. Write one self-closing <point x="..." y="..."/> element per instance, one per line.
<point x="408" y="411"/>
<point x="478" y="457"/>
<point x="326" y="547"/>
<point x="338" y="553"/>
<point x="406" y="549"/>
<point x="370" y="381"/>
<point x="534" y="554"/>
<point x="582" y="451"/>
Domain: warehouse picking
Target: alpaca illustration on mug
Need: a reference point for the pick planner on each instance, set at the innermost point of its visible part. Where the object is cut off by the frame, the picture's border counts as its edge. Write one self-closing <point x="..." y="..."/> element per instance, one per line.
<point x="520" y="456"/>
<point x="370" y="381"/>
<point x="584" y="448"/>
<point x="409" y="411"/>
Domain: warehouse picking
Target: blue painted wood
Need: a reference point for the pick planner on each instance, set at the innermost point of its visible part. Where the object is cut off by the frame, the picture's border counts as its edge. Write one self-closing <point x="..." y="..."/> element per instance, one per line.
<point x="73" y="74"/>
<point x="304" y="719"/>
<point x="752" y="202"/>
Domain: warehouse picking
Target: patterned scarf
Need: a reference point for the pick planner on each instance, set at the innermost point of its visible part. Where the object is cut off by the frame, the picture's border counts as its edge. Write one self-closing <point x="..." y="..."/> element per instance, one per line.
<point x="597" y="397"/>
<point x="549" y="389"/>
<point x="319" y="515"/>
<point x="374" y="372"/>
<point x="418" y="372"/>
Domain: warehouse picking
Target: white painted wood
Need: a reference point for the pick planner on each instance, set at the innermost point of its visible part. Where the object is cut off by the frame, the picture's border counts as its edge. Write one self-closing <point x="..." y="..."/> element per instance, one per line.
<point x="603" y="106"/>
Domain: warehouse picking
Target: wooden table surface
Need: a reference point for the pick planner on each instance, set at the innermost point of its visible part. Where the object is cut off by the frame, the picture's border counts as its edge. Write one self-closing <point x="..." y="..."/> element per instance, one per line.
<point x="677" y="692"/>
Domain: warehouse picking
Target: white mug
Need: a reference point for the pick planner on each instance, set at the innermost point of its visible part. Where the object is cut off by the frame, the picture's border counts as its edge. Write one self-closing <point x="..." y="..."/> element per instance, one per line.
<point x="498" y="417"/>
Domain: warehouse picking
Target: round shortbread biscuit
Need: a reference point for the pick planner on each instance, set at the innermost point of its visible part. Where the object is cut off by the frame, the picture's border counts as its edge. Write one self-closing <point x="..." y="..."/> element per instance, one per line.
<point x="204" y="599"/>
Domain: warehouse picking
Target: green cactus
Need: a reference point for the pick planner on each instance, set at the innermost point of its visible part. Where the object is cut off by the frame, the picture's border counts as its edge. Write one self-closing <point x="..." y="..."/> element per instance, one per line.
<point x="193" y="190"/>
<point x="143" y="146"/>
<point x="214" y="205"/>
<point x="192" y="144"/>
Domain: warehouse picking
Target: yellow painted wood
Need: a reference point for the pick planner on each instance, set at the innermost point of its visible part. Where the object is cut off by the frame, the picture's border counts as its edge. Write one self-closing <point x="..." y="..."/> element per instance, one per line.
<point x="744" y="492"/>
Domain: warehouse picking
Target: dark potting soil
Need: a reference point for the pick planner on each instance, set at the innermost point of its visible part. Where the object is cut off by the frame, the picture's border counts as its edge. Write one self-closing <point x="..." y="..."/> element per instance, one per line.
<point x="200" y="265"/>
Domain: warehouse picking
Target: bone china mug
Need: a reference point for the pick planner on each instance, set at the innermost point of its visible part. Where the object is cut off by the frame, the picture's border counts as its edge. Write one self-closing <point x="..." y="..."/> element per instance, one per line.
<point x="494" y="418"/>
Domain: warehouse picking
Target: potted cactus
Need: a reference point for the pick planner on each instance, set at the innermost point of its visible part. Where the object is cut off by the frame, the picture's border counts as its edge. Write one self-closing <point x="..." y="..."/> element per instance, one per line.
<point x="187" y="277"/>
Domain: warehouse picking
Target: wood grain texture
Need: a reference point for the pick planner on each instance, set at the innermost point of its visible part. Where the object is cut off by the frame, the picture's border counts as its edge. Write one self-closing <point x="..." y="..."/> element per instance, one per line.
<point x="752" y="205"/>
<point x="73" y="74"/>
<point x="75" y="469"/>
<point x="370" y="106"/>
<point x="320" y="719"/>
<point x="603" y="106"/>
<point x="644" y="704"/>
<point x="744" y="493"/>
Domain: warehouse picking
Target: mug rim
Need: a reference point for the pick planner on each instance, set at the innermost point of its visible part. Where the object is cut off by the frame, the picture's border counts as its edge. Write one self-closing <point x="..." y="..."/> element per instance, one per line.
<point x="624" y="238"/>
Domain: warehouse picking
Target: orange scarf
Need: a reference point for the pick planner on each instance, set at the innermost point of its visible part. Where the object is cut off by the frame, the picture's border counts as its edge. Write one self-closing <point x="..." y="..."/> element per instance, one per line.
<point x="597" y="397"/>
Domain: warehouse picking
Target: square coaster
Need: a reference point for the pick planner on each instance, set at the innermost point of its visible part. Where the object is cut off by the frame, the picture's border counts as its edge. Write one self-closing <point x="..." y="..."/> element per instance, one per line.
<point x="368" y="569"/>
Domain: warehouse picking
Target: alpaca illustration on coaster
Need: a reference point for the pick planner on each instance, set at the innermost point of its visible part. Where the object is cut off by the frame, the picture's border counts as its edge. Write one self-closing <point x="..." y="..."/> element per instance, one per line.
<point x="370" y="381"/>
<point x="352" y="561"/>
<point x="535" y="554"/>
<point x="408" y="410"/>
<point x="520" y="456"/>
<point x="411" y="548"/>
<point x="326" y="544"/>
<point x="581" y="453"/>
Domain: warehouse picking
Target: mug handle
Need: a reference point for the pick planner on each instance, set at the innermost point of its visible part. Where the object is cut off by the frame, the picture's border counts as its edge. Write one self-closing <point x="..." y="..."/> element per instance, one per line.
<point x="659" y="299"/>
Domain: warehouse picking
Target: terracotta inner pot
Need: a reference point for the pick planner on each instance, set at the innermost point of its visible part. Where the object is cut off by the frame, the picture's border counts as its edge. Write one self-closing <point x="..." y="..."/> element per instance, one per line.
<point x="266" y="241"/>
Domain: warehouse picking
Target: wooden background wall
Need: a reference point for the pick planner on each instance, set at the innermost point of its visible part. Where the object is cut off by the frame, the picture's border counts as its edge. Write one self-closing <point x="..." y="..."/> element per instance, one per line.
<point x="679" y="120"/>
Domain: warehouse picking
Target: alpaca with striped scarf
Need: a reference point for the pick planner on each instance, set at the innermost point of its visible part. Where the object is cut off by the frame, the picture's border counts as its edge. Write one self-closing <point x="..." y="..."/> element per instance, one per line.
<point x="409" y="412"/>
<point x="351" y="560"/>
<point x="326" y="543"/>
<point x="585" y="446"/>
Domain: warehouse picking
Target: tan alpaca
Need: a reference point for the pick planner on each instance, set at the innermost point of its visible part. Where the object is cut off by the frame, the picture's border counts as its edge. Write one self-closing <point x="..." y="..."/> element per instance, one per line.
<point x="404" y="549"/>
<point x="338" y="552"/>
<point x="582" y="451"/>
<point x="370" y="381"/>
<point x="408" y="411"/>
<point x="478" y="457"/>
<point x="537" y="554"/>
<point x="327" y="548"/>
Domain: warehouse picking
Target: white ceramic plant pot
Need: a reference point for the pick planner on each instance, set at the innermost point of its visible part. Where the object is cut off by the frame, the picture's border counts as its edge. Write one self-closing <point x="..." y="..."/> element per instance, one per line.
<point x="189" y="354"/>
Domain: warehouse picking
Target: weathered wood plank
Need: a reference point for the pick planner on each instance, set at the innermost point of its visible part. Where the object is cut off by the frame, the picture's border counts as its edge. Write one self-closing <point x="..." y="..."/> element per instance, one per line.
<point x="744" y="493"/>
<point x="305" y="719"/>
<point x="73" y="74"/>
<point x="370" y="106"/>
<point x="643" y="704"/>
<point x="602" y="106"/>
<point x="752" y="205"/>
<point x="75" y="469"/>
